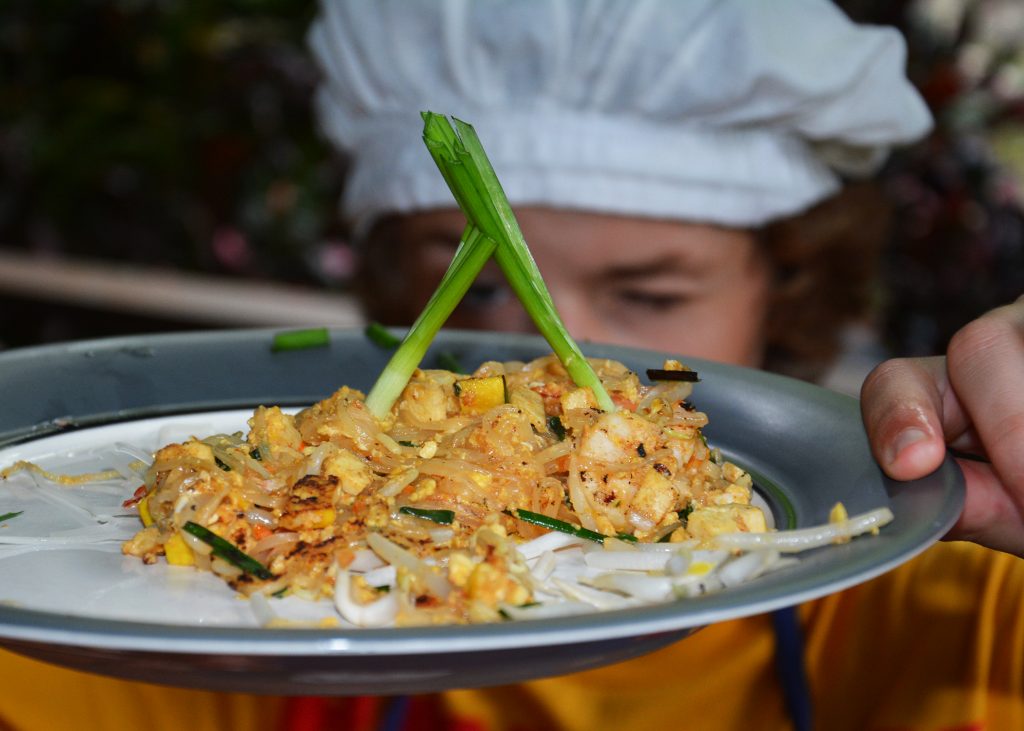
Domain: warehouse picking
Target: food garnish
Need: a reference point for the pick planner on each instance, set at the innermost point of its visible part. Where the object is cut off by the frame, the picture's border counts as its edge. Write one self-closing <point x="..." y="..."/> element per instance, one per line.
<point x="380" y="335"/>
<point x="317" y="337"/>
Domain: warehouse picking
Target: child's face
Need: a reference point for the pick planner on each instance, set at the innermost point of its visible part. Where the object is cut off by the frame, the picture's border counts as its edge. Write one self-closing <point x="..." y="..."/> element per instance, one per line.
<point x="691" y="289"/>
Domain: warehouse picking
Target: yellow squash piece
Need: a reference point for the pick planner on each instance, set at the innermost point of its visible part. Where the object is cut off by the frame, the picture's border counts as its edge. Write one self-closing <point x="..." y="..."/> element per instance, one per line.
<point x="477" y="395"/>
<point x="178" y="552"/>
<point x="144" y="515"/>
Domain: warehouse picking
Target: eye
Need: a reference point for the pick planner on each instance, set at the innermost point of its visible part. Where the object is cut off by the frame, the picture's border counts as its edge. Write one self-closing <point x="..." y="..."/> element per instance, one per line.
<point x="486" y="294"/>
<point x="650" y="299"/>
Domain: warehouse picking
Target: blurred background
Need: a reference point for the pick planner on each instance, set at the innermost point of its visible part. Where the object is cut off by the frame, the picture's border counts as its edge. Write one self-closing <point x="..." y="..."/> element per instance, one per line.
<point x="160" y="169"/>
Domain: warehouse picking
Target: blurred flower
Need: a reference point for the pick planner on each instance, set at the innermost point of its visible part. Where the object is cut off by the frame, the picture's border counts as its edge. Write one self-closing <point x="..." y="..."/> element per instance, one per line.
<point x="231" y="249"/>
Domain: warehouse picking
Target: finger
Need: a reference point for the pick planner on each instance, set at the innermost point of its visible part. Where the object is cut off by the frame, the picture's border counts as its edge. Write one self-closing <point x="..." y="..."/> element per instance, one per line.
<point x="990" y="515"/>
<point x="909" y="415"/>
<point x="986" y="369"/>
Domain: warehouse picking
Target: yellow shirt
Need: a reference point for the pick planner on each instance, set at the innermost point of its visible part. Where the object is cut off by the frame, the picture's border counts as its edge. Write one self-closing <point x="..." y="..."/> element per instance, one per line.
<point x="937" y="645"/>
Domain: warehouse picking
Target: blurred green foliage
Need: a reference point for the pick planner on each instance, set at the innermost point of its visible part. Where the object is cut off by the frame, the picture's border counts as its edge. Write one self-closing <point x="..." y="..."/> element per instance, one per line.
<point x="163" y="132"/>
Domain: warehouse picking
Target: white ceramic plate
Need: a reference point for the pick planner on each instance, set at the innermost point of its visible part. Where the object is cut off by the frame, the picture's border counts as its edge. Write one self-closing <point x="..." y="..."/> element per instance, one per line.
<point x="84" y="605"/>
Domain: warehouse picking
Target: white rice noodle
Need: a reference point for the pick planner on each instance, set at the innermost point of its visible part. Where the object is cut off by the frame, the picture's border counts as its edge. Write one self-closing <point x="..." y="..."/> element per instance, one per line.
<point x="746" y="567"/>
<point x="260" y="516"/>
<point x="365" y="560"/>
<point x="138" y="454"/>
<point x="263" y="498"/>
<point x="452" y="468"/>
<point x="440" y="536"/>
<point x="135" y="469"/>
<point x="398" y="483"/>
<point x="578" y="496"/>
<point x="627" y="560"/>
<point x="198" y="546"/>
<point x="668" y="391"/>
<point x="261" y="609"/>
<point x="204" y="506"/>
<point x="802" y="539"/>
<point x="678" y="563"/>
<point x="397" y="556"/>
<point x="552" y="541"/>
<point x="554" y="452"/>
<point x="595" y="597"/>
<point x="694" y="585"/>
<point x="274" y="542"/>
<point x="639" y="586"/>
<point x="676" y="547"/>
<point x="385" y="575"/>
<point x="315" y="459"/>
<point x="379" y="613"/>
<point x="547" y="610"/>
<point x="58" y="497"/>
<point x="544" y="566"/>
<point x="390" y="444"/>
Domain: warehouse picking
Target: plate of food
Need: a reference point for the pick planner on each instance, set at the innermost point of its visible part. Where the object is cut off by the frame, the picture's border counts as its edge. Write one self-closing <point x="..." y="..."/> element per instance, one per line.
<point x="319" y="512"/>
<point x="633" y="555"/>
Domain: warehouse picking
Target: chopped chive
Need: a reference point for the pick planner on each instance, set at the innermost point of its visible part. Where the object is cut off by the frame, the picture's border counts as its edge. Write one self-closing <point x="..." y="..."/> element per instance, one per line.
<point x="505" y="615"/>
<point x="228" y="551"/>
<point x="222" y="464"/>
<point x="406" y="443"/>
<point x="8" y="516"/>
<point x="449" y="362"/>
<point x="383" y="588"/>
<point x="255" y="454"/>
<point x="280" y="592"/>
<point x="561" y="526"/>
<point x="441" y="517"/>
<point x="300" y="339"/>
<point x="557" y="427"/>
<point x="381" y="336"/>
<point x="660" y="374"/>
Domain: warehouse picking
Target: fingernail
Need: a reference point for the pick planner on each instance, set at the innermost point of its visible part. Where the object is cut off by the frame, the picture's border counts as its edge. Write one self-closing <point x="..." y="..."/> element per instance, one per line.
<point x="904" y="440"/>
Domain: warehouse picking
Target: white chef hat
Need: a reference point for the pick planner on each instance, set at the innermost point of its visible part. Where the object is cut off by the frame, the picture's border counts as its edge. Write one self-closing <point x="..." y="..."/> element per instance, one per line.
<point x="734" y="112"/>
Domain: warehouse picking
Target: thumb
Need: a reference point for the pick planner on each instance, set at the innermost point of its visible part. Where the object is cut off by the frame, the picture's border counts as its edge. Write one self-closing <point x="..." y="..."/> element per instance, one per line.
<point x="904" y="406"/>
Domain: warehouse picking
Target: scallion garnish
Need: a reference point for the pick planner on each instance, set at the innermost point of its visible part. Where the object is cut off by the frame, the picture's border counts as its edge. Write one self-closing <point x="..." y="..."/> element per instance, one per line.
<point x="561" y="526"/>
<point x="300" y="339"/>
<point x="441" y="517"/>
<point x="8" y="516"/>
<point x="660" y="374"/>
<point x="464" y="164"/>
<point x="228" y="551"/>
<point x="491" y="230"/>
<point x="381" y="336"/>
<point x="473" y="252"/>
<point x="449" y="362"/>
<point x="557" y="427"/>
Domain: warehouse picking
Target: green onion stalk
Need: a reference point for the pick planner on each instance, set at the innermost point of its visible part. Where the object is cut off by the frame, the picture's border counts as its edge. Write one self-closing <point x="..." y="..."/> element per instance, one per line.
<point x="492" y="230"/>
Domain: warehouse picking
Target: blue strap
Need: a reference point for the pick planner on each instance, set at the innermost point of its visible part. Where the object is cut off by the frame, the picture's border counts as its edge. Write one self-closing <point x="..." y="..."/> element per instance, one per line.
<point x="789" y="665"/>
<point x="396" y="715"/>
